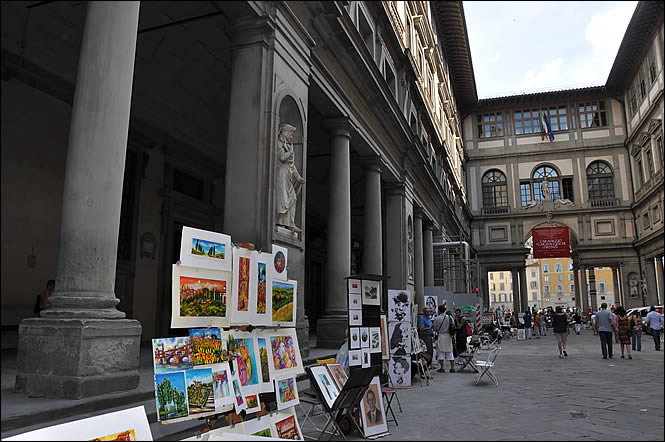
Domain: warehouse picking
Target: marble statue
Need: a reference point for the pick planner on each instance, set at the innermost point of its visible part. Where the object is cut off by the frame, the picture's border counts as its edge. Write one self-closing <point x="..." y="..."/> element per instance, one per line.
<point x="532" y="203"/>
<point x="545" y="189"/>
<point x="286" y="193"/>
<point x="563" y="202"/>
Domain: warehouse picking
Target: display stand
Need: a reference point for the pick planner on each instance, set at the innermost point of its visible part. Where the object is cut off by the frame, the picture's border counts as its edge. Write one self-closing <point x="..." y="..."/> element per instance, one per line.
<point x="349" y="398"/>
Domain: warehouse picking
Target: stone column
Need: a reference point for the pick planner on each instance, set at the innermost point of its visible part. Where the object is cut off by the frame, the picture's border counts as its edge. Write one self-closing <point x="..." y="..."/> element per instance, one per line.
<point x="418" y="265"/>
<point x="396" y="237"/>
<point x="81" y="347"/>
<point x="585" y="295"/>
<point x="373" y="237"/>
<point x="332" y="325"/>
<point x="578" y="297"/>
<point x="592" y="288"/>
<point x="661" y="279"/>
<point x="486" y="286"/>
<point x="651" y="282"/>
<point x="524" y="294"/>
<point x="616" y="288"/>
<point x="428" y="254"/>
<point x="517" y="305"/>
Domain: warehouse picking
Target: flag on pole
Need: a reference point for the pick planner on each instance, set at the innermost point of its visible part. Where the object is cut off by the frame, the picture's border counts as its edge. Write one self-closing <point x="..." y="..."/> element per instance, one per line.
<point x="547" y="129"/>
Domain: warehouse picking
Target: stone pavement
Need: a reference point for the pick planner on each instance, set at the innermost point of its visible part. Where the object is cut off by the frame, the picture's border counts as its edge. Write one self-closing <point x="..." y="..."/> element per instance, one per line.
<point x="541" y="397"/>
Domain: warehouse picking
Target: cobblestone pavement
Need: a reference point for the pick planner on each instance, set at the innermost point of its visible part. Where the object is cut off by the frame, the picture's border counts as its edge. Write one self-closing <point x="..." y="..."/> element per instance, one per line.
<point x="541" y="397"/>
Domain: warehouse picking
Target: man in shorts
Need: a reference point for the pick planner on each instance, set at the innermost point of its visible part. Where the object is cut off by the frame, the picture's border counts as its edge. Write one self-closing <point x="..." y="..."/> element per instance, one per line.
<point x="561" y="331"/>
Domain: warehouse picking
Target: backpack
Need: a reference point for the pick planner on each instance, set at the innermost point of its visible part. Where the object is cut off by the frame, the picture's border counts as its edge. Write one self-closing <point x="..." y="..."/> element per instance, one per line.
<point x="451" y="326"/>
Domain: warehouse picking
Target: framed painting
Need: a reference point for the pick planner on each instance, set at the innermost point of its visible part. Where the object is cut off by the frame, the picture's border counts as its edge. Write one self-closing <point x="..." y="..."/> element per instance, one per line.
<point x="172" y="354"/>
<point x="221" y="386"/>
<point x="355" y="358"/>
<point x="261" y="305"/>
<point x="205" y="249"/>
<point x="385" y="346"/>
<point x="239" y="402"/>
<point x="170" y="396"/>
<point x="325" y="384"/>
<point x="206" y="345"/>
<point x="371" y="410"/>
<point x="284" y="352"/>
<point x="284" y="425"/>
<point x="262" y="343"/>
<point x="279" y="266"/>
<point x="253" y="403"/>
<point x="283" y="295"/>
<point x="399" y="305"/>
<point x="355" y="301"/>
<point x="248" y="362"/>
<point x="432" y="303"/>
<point x="244" y="286"/>
<point x="400" y="338"/>
<point x="129" y="424"/>
<point x="371" y="291"/>
<point x="200" y="297"/>
<point x="286" y="391"/>
<point x="375" y="339"/>
<point x="354" y="337"/>
<point x="200" y="394"/>
<point x="338" y="374"/>
<point x="364" y="337"/>
<point x="355" y="317"/>
<point x="400" y="371"/>
<point x="355" y="286"/>
<point x="366" y="361"/>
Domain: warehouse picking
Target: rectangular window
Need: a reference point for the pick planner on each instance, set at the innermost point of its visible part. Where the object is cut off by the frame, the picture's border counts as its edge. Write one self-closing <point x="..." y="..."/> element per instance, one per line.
<point x="502" y="286"/>
<point x="493" y="286"/>
<point x="592" y="114"/>
<point x="389" y="74"/>
<point x="547" y="289"/>
<point x="659" y="146"/>
<point x="558" y="118"/>
<point x="645" y="220"/>
<point x="491" y="275"/>
<point x="525" y="192"/>
<point x="490" y="125"/>
<point x="557" y="267"/>
<point x="559" y="288"/>
<point x="501" y="275"/>
<point x="640" y="171"/>
<point x="649" y="162"/>
<point x="567" y="188"/>
<point x="527" y="121"/>
<point x="571" y="277"/>
<point x="546" y="268"/>
<point x="559" y="278"/>
<point x="533" y="273"/>
<point x="534" y="284"/>
<point x="570" y="266"/>
<point x="502" y="297"/>
<point x="572" y="288"/>
<point x="546" y="278"/>
<point x="601" y="286"/>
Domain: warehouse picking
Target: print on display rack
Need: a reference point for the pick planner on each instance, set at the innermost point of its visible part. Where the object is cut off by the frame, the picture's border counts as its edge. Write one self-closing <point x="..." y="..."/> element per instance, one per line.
<point x="375" y="339"/>
<point x="400" y="338"/>
<point x="400" y="371"/>
<point x="355" y="301"/>
<point x="257" y="427"/>
<point x="199" y="297"/>
<point x="355" y="317"/>
<point x="284" y="425"/>
<point x="284" y="352"/>
<point x="399" y="305"/>
<point x="200" y="395"/>
<point x="244" y="286"/>
<point x="221" y="385"/>
<point x="262" y="305"/>
<point x="371" y="291"/>
<point x="239" y="402"/>
<point x="279" y="265"/>
<point x="253" y="403"/>
<point x="372" y="412"/>
<point x="325" y="384"/>
<point x="267" y="385"/>
<point x="355" y="337"/>
<point x="364" y="337"/>
<point x="431" y="302"/>
<point x="171" y="395"/>
<point x="365" y="355"/>
<point x="206" y="345"/>
<point x="248" y="363"/>
<point x="286" y="392"/>
<point x="283" y="301"/>
<point x="355" y="286"/>
<point x="172" y="354"/>
<point x="338" y="374"/>
<point x="205" y="249"/>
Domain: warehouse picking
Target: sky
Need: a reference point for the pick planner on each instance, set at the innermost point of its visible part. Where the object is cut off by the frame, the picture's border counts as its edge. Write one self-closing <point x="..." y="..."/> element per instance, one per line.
<point x="523" y="47"/>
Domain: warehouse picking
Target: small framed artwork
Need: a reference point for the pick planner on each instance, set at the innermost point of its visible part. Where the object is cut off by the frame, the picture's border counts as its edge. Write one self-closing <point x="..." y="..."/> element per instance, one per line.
<point x="199" y="297"/>
<point x="163" y="348"/>
<point x="257" y="427"/>
<point x="364" y="337"/>
<point x="372" y="412"/>
<point x="355" y="317"/>
<point x="283" y="302"/>
<point x="338" y="374"/>
<point x="371" y="291"/>
<point x="286" y="392"/>
<point x="239" y="402"/>
<point x="355" y="286"/>
<point x="355" y="358"/>
<point x="283" y="352"/>
<point x="400" y="371"/>
<point x="400" y="338"/>
<point x="365" y="357"/>
<point x="262" y="340"/>
<point x="248" y="363"/>
<point x="284" y="425"/>
<point x="244" y="285"/>
<point x="205" y="249"/>
<point x="279" y="262"/>
<point x="385" y="346"/>
<point x="375" y="339"/>
<point x="355" y="301"/>
<point x="325" y="384"/>
<point x="221" y="386"/>
<point x="431" y="302"/>
<point x="253" y="403"/>
<point x="261" y="305"/>
<point x="399" y="305"/>
<point x="354" y="333"/>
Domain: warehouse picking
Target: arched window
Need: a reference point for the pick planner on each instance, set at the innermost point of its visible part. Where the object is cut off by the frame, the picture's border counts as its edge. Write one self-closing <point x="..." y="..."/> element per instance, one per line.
<point x="600" y="181"/>
<point x="495" y="189"/>
<point x="552" y="177"/>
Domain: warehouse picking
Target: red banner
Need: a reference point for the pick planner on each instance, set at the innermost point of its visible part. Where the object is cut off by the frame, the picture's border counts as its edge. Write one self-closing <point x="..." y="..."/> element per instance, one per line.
<point x="551" y="242"/>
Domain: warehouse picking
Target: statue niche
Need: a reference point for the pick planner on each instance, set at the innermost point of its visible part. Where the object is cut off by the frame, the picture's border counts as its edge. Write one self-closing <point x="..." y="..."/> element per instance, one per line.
<point x="288" y="181"/>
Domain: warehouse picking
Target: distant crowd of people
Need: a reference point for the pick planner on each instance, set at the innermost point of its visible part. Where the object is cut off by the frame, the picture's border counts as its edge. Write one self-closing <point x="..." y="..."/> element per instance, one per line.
<point x="448" y="331"/>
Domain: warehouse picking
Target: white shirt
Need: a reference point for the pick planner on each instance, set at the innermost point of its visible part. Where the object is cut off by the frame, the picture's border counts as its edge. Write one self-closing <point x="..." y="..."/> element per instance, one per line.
<point x="655" y="320"/>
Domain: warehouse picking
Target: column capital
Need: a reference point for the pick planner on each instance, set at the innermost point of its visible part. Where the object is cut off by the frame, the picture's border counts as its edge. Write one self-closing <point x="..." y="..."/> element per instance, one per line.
<point x="418" y="212"/>
<point x="372" y="163"/>
<point x="397" y="188"/>
<point x="340" y="127"/>
<point x="428" y="225"/>
<point x="252" y="31"/>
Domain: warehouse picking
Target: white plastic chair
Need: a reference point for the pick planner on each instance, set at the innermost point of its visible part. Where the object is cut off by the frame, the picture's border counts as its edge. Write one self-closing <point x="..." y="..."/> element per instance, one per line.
<point x="487" y="367"/>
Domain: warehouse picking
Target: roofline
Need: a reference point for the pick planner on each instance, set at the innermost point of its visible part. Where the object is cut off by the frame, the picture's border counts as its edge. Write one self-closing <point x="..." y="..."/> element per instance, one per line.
<point x="590" y="91"/>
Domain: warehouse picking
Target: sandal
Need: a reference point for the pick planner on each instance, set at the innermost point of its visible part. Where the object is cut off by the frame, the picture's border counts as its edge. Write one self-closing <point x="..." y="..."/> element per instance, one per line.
<point x="630" y="357"/>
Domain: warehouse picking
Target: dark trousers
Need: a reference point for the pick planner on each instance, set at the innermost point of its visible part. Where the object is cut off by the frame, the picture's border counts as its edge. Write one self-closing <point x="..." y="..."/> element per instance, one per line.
<point x="428" y="342"/>
<point x="606" y="343"/>
<point x="656" y="338"/>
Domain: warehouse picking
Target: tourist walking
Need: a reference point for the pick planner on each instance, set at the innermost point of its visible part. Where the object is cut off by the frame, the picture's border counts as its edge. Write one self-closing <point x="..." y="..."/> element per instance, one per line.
<point x="604" y="324"/>
<point x="654" y="322"/>
<point x="442" y="326"/>
<point x="578" y="322"/>
<point x="527" y="324"/>
<point x="624" y="329"/>
<point x="536" y="324"/>
<point x="560" y="328"/>
<point x="425" y="330"/>
<point x="636" y="340"/>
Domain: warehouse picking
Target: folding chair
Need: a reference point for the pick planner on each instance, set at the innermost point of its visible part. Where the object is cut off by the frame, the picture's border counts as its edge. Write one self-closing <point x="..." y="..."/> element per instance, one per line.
<point x="487" y="367"/>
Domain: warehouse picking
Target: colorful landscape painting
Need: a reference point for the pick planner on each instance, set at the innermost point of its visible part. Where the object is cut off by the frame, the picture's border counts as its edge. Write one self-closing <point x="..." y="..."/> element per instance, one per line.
<point x="261" y="290"/>
<point x="283" y="352"/>
<point x="263" y="433"/>
<point x="206" y="345"/>
<point x="282" y="301"/>
<point x="287" y="390"/>
<point x="202" y="297"/>
<point x="243" y="284"/>
<point x="211" y="249"/>
<point x="246" y="359"/>
<point x="200" y="396"/>
<point x="252" y="401"/>
<point x="125" y="435"/>
<point x="171" y="395"/>
<point x="172" y="354"/>
<point x="263" y="356"/>
<point x="286" y="429"/>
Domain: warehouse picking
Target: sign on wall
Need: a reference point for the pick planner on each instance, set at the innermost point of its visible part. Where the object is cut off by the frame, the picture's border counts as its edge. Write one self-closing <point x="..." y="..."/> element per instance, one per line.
<point x="551" y="242"/>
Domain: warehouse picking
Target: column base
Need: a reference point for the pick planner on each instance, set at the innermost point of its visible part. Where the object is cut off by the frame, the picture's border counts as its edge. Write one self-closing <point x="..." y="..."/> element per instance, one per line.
<point x="330" y="331"/>
<point x="77" y="358"/>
